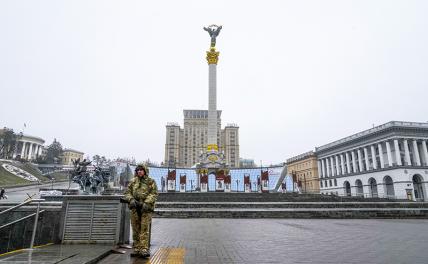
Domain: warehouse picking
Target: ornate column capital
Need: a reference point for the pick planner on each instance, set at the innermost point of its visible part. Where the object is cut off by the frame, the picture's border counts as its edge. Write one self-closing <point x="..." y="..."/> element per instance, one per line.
<point x="212" y="56"/>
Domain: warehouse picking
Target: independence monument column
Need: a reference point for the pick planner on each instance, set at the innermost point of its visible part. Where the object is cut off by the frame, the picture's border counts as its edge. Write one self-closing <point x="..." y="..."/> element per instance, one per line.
<point x="212" y="161"/>
<point x="212" y="58"/>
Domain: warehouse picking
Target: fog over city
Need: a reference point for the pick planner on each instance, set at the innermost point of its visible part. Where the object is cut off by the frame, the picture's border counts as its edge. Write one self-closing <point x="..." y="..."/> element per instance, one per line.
<point x="105" y="77"/>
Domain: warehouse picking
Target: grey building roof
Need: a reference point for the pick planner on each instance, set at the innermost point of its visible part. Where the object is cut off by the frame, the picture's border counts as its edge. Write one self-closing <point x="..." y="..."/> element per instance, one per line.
<point x="72" y="150"/>
<point x="301" y="156"/>
<point x="386" y="130"/>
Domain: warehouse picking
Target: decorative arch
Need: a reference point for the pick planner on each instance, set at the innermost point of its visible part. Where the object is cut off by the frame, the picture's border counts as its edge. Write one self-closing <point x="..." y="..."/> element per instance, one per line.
<point x="373" y="187"/>
<point x="359" y="185"/>
<point x="388" y="186"/>
<point x="418" y="187"/>
<point x="347" y="187"/>
<point x="211" y="181"/>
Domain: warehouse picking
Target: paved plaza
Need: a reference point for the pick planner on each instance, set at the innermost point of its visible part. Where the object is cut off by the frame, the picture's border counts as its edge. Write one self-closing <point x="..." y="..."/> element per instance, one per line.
<point x="285" y="241"/>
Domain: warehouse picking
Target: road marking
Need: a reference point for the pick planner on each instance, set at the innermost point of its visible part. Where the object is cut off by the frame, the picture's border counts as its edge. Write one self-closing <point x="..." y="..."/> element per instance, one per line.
<point x="23" y="249"/>
<point x="168" y="255"/>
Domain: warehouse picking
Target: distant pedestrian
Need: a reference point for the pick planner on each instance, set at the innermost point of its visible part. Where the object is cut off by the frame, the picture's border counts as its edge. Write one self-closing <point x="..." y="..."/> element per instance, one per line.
<point x="3" y="194"/>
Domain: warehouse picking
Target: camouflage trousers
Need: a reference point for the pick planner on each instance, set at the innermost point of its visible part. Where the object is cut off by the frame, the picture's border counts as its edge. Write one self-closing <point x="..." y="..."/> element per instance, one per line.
<point x="140" y="223"/>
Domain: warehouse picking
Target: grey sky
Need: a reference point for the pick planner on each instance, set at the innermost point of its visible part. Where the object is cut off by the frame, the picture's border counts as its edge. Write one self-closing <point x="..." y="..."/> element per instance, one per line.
<point x="105" y="77"/>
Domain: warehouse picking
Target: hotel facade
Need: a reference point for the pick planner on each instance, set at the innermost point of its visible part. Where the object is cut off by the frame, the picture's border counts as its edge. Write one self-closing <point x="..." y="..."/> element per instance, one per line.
<point x="183" y="146"/>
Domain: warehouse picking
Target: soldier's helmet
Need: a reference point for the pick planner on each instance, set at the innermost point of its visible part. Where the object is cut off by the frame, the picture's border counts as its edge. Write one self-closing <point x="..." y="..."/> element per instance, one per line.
<point x="142" y="166"/>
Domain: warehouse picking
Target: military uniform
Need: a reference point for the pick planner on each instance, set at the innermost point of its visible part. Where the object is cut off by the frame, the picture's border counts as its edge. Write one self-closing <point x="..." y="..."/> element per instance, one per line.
<point x="144" y="192"/>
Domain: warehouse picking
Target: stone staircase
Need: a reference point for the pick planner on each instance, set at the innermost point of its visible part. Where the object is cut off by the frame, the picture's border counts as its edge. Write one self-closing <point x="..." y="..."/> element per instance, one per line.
<point x="279" y="205"/>
<point x="258" y="197"/>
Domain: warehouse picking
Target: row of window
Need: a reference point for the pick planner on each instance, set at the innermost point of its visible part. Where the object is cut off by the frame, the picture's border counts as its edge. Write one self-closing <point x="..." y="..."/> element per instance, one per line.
<point x="328" y="183"/>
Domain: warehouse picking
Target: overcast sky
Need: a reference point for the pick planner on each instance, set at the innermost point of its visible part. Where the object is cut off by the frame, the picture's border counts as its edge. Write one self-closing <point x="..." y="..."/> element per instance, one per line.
<point x="105" y="77"/>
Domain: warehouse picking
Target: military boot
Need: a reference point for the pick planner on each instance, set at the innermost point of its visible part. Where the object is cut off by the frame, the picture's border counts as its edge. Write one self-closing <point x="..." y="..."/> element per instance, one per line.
<point x="145" y="253"/>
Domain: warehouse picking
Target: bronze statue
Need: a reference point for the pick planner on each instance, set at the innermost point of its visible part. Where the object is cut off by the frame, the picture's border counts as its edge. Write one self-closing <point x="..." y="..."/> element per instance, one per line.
<point x="89" y="181"/>
<point x="213" y="30"/>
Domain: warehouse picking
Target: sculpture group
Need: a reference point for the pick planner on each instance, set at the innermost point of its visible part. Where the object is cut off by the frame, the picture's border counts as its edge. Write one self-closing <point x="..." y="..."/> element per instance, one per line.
<point x="89" y="181"/>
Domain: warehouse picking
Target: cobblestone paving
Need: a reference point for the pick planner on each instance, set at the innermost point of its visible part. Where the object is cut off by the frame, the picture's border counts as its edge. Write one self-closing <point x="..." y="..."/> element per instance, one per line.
<point x="289" y="241"/>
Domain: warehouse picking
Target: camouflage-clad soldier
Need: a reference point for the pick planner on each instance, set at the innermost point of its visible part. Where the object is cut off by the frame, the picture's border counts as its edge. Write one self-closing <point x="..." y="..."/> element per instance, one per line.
<point x="141" y="194"/>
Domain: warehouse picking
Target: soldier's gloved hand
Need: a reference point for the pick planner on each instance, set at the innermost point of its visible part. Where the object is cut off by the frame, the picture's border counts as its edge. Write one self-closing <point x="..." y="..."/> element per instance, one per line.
<point x="132" y="204"/>
<point x="146" y="207"/>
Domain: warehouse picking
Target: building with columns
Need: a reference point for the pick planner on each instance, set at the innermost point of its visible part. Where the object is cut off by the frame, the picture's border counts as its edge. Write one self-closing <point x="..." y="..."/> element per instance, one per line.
<point x="305" y="169"/>
<point x="29" y="147"/>
<point x="390" y="160"/>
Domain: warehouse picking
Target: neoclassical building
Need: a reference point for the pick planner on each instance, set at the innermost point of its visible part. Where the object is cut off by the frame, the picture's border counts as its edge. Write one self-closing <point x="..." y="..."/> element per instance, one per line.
<point x="305" y="169"/>
<point x="29" y="147"/>
<point x="390" y="160"/>
<point x="70" y="155"/>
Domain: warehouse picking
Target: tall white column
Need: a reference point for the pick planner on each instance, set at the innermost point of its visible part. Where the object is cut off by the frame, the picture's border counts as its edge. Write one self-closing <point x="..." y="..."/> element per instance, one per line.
<point x="342" y="165"/>
<point x="212" y="104"/>
<point x="366" y="157"/>
<point x="397" y="152"/>
<point x="337" y="165"/>
<point x="374" y="160"/>
<point x="40" y="150"/>
<point x="327" y="162"/>
<point x="30" y="156"/>
<point x="382" y="164"/>
<point x="332" y="166"/>
<point x="319" y="169"/>
<point x="324" y="168"/>
<point x="354" y="161"/>
<point x="425" y="151"/>
<point x="360" y="160"/>
<point x="348" y="164"/>
<point x="23" y="149"/>
<point x="407" y="153"/>
<point x="416" y="153"/>
<point x="389" y="153"/>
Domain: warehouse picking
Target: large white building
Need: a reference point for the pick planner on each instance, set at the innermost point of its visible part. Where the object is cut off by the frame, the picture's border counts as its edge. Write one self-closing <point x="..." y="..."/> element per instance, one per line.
<point x="390" y="160"/>
<point x="184" y="145"/>
<point x="29" y="147"/>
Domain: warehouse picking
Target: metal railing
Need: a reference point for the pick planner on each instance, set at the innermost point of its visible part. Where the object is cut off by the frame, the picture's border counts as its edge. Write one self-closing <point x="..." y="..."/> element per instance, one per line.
<point x="36" y="219"/>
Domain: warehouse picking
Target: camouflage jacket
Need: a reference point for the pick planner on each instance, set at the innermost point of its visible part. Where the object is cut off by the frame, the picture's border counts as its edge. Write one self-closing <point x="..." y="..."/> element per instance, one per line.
<point x="142" y="190"/>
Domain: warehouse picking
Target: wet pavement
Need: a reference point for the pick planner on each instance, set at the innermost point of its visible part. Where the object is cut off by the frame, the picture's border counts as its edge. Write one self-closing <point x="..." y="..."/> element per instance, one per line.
<point x="257" y="241"/>
<point x="284" y="241"/>
<point x="64" y="254"/>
